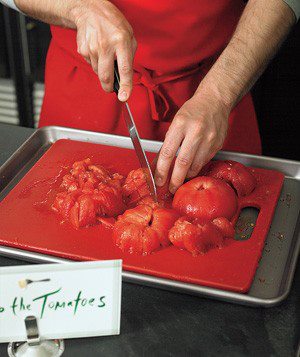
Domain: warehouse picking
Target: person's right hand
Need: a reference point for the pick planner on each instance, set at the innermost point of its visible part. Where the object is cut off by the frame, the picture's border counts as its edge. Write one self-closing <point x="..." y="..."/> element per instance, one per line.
<point x="103" y="36"/>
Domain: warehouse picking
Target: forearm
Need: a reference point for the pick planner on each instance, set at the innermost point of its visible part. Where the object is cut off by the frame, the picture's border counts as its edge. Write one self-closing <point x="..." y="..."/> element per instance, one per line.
<point x="56" y="12"/>
<point x="261" y="30"/>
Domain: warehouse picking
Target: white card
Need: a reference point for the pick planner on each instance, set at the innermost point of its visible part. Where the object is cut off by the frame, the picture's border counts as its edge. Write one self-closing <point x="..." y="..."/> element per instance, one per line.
<point x="75" y="300"/>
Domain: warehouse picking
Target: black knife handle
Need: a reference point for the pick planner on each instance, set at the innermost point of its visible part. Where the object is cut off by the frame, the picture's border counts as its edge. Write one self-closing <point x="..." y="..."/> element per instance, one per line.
<point x="116" y="78"/>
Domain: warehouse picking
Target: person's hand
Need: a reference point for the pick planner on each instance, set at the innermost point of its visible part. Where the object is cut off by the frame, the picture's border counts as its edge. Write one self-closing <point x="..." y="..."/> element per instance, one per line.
<point x="200" y="127"/>
<point x="103" y="35"/>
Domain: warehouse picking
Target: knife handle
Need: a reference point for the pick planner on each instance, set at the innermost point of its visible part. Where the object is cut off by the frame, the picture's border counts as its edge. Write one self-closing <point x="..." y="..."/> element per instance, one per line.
<point x="116" y="78"/>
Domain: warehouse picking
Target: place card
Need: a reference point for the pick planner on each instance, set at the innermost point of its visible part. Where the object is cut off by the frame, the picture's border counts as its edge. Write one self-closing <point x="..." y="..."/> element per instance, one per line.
<point x="68" y="300"/>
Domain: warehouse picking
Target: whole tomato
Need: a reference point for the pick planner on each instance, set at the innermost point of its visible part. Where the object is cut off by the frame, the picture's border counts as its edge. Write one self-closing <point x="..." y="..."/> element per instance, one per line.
<point x="205" y="198"/>
<point x="234" y="173"/>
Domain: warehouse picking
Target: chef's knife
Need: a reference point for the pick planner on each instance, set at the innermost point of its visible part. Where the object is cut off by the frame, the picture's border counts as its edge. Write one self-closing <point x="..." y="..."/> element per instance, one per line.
<point x="135" y="138"/>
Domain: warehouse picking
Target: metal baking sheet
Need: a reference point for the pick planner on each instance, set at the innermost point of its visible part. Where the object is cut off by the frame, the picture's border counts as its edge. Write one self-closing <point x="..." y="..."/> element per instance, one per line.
<point x="274" y="275"/>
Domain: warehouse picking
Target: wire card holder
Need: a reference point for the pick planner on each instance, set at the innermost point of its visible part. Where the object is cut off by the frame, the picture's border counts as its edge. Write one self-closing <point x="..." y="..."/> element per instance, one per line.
<point x="34" y="346"/>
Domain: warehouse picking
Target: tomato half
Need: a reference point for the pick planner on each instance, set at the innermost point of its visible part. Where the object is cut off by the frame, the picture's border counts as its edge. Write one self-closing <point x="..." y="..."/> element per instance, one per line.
<point x="234" y="173"/>
<point x="206" y="198"/>
<point x="195" y="237"/>
<point x="142" y="229"/>
<point x="224" y="226"/>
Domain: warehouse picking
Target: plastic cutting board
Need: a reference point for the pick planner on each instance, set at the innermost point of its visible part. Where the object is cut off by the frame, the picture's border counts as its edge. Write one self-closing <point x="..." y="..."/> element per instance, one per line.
<point x="26" y="222"/>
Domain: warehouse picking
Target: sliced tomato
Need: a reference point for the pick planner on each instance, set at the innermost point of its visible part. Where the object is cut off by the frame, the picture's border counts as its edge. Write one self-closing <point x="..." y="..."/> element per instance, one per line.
<point x="135" y="187"/>
<point x="100" y="172"/>
<point x="224" y="226"/>
<point x="68" y="203"/>
<point x="74" y="215"/>
<point x="205" y="198"/>
<point x="58" y="201"/>
<point x="162" y="221"/>
<point x="141" y="214"/>
<point x="80" y="166"/>
<point x="108" y="200"/>
<point x="107" y="222"/>
<point x="142" y="229"/>
<point x="234" y="173"/>
<point x="69" y="183"/>
<point x="87" y="211"/>
<point x="90" y="190"/>
<point x="194" y="237"/>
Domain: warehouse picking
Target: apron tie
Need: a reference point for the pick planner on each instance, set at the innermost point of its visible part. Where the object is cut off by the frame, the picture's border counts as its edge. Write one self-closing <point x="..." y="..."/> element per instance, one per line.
<point x="159" y="105"/>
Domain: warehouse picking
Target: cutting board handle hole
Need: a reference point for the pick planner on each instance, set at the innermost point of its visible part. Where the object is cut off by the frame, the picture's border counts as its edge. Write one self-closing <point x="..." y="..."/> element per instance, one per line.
<point x="246" y="223"/>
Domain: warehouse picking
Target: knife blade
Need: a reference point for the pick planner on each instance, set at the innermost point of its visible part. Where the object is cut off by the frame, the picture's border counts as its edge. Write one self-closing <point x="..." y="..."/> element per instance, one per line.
<point x="135" y="138"/>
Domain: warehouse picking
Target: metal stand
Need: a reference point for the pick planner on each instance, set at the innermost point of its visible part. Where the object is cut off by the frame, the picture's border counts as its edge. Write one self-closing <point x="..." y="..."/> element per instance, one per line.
<point x="34" y="347"/>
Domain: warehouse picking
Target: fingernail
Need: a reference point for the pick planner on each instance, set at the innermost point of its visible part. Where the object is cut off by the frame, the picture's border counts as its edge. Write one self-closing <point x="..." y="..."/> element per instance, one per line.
<point x="172" y="189"/>
<point x="122" y="96"/>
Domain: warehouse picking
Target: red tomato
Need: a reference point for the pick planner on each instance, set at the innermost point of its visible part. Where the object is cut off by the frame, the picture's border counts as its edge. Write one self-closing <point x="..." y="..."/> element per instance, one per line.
<point x="58" y="201"/>
<point x="136" y="189"/>
<point x="205" y="198"/>
<point x="69" y="183"/>
<point x="142" y="229"/>
<point x="90" y="190"/>
<point x="80" y="166"/>
<point x="107" y="222"/>
<point x="234" y="173"/>
<point x="83" y="212"/>
<point x="108" y="200"/>
<point x="224" y="226"/>
<point x="194" y="237"/>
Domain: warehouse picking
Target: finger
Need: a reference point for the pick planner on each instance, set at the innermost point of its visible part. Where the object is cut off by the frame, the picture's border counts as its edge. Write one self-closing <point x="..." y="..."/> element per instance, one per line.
<point x="204" y="154"/>
<point x="82" y="47"/>
<point x="94" y="63"/>
<point x="167" y="153"/>
<point x="125" y="62"/>
<point x="106" y="71"/>
<point x="183" y="162"/>
<point x="91" y="39"/>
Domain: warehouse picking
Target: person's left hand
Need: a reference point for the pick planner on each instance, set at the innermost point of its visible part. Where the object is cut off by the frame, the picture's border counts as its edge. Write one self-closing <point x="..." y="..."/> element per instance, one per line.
<point x="200" y="126"/>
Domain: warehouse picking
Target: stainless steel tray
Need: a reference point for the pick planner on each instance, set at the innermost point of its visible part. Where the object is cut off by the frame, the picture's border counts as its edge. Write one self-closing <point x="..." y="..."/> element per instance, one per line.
<point x="273" y="278"/>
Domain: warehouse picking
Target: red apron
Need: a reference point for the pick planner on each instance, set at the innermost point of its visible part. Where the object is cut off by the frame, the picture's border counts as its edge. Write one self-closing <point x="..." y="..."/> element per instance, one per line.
<point x="177" y="43"/>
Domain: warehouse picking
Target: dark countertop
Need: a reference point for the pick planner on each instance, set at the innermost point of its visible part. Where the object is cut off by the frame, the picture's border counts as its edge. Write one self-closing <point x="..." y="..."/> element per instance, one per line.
<point x="162" y="323"/>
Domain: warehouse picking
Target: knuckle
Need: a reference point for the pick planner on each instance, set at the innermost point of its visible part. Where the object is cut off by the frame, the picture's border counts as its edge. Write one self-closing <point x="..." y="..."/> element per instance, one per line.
<point x="105" y="78"/>
<point x="176" y="181"/>
<point x="104" y="45"/>
<point x="82" y="50"/>
<point x="212" y="136"/>
<point x="179" y="121"/>
<point x="120" y="36"/>
<point x="167" y="153"/>
<point x="183" y="161"/>
<point x="93" y="49"/>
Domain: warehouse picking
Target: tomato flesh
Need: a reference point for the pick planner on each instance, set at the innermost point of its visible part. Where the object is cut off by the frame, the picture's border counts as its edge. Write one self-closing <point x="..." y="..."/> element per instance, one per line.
<point x="89" y="191"/>
<point x="143" y="229"/>
<point x="234" y="173"/>
<point x="194" y="237"/>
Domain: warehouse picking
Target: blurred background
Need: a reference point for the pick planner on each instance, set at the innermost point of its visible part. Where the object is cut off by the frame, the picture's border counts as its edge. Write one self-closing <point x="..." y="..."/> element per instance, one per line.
<point x="23" y="49"/>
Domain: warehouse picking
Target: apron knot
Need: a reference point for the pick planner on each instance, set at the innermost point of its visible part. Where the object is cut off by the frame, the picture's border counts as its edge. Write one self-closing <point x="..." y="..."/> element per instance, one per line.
<point x="159" y="105"/>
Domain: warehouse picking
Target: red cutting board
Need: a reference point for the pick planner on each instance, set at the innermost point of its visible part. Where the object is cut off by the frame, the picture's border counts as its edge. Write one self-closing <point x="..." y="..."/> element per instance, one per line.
<point x="26" y="222"/>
